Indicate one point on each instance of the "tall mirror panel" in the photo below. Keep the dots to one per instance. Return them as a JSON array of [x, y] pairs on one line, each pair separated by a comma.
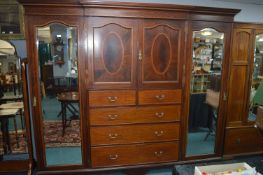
[[207, 58], [13, 136], [256, 93], [58, 75]]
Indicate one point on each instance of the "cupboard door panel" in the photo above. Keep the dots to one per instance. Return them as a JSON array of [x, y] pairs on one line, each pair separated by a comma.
[[241, 45], [241, 54], [163, 42], [237, 94], [113, 42]]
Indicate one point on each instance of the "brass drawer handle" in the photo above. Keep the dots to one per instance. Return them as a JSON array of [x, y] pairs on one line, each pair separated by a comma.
[[160, 97], [112, 99], [113, 157], [112, 116], [159, 114], [113, 136], [158, 133], [158, 153]]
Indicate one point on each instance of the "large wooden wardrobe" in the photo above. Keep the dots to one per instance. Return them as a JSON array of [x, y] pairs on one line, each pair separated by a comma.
[[133, 103]]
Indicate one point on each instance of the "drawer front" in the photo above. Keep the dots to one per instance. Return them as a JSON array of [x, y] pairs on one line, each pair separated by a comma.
[[127, 115], [243, 140], [134, 134], [112, 98], [134, 154], [159, 96]]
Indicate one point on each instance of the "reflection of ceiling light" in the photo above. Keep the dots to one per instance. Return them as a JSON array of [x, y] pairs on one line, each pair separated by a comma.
[[222, 36], [206, 33]]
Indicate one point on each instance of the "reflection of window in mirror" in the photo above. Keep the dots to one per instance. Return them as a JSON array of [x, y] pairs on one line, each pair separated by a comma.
[[207, 59], [256, 93]]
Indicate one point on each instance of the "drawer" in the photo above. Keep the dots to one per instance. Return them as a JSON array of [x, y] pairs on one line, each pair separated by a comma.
[[128, 134], [159, 96], [112, 98], [128, 115], [243, 140], [134, 154]]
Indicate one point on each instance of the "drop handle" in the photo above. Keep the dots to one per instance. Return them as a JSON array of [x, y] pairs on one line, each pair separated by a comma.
[[140, 55], [113, 136], [158, 133], [158, 153], [112, 98], [113, 157], [160, 97], [113, 116], [159, 114]]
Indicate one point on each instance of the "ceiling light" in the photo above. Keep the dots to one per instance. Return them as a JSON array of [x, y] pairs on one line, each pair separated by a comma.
[[206, 33]]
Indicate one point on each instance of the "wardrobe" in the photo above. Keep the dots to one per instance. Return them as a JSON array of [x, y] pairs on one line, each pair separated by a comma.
[[134, 64]]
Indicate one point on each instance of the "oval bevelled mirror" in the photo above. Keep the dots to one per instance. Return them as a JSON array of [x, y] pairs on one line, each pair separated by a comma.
[[207, 59], [58, 76], [256, 92], [13, 135]]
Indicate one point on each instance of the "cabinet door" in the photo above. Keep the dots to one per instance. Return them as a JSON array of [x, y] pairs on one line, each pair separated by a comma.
[[162, 54], [241, 53], [111, 52]]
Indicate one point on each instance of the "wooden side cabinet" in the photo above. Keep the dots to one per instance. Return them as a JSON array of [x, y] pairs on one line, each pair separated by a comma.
[[132, 74], [241, 137]]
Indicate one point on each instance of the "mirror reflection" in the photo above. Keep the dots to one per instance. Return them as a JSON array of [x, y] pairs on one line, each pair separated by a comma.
[[13, 141], [207, 62], [256, 95], [57, 50]]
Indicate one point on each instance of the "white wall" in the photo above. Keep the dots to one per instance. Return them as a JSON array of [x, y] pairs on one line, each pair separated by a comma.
[[249, 13]]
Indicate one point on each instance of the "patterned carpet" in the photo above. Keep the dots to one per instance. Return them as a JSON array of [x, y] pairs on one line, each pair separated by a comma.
[[22, 148], [53, 134]]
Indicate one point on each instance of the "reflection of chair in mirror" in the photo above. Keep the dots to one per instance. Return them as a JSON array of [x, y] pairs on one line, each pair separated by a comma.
[[212, 100], [5, 115], [67, 100]]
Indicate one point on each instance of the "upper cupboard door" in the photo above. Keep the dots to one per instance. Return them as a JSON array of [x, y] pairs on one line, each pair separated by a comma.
[[111, 52], [161, 54]]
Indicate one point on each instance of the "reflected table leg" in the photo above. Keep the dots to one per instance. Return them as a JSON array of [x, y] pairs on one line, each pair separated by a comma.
[[6, 139]]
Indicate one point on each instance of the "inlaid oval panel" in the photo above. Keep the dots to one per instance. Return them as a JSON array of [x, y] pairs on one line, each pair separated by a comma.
[[161, 53], [112, 53]]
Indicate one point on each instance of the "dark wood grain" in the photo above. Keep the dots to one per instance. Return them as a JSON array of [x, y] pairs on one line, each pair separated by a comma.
[[159, 96], [112, 98], [243, 140], [241, 53], [131, 115], [162, 54], [134, 134], [134, 154], [112, 54], [110, 38]]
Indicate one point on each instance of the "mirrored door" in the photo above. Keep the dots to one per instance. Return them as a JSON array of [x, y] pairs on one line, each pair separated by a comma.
[[256, 90], [58, 75], [13, 134], [205, 86]]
